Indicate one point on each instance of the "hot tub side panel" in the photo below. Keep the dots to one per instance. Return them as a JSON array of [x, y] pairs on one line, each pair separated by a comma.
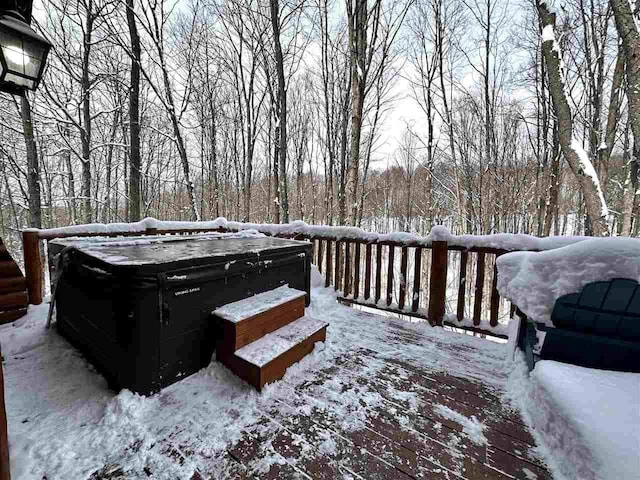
[[113, 320]]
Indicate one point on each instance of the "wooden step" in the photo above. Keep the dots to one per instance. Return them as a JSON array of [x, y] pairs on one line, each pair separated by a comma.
[[267, 359], [7, 316], [9, 301], [248, 320], [13, 284], [9, 268]]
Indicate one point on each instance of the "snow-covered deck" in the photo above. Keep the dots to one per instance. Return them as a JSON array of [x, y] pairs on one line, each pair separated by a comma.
[[382, 398]]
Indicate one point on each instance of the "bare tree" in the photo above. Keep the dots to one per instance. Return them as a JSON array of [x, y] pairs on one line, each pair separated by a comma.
[[577, 158]]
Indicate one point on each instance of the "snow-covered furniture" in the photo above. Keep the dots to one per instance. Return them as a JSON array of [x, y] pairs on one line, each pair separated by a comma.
[[598, 327]]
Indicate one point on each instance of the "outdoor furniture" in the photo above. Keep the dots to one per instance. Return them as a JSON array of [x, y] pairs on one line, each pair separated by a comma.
[[598, 327]]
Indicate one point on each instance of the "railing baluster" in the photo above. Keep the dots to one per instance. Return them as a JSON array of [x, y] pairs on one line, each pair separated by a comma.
[[347, 268], [336, 277], [438, 282], [356, 273], [417, 276], [390, 275], [327, 276], [477, 307], [314, 250], [378, 272], [320, 254], [462, 286], [403, 277], [495, 296], [367, 272]]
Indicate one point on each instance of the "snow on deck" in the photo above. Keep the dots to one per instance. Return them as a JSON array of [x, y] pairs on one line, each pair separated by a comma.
[[381, 398], [589, 417], [272, 345], [242, 309]]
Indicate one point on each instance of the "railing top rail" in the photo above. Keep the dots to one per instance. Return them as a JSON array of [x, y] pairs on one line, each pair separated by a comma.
[[492, 243]]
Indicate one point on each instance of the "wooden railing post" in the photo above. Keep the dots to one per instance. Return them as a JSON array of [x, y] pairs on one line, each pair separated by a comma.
[[438, 282], [32, 265], [5, 473]]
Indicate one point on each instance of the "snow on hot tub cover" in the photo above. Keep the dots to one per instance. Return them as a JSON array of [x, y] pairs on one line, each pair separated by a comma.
[[534, 280]]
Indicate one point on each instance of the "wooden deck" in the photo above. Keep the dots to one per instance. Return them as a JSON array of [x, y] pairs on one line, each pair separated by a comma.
[[381, 399], [316, 446], [302, 432]]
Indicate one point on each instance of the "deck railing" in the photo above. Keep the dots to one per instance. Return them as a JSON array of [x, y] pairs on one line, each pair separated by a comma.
[[417, 280], [429, 278]]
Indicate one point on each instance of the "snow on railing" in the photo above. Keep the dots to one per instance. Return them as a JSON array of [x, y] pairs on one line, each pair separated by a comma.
[[402, 272], [502, 241]]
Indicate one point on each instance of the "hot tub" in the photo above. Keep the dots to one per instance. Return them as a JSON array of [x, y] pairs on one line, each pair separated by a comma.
[[140, 310]]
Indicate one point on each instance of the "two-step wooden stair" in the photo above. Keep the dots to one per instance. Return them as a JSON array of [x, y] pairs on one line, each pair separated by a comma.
[[13, 288], [265, 334]]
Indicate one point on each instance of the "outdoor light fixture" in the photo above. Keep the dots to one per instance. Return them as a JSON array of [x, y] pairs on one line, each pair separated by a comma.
[[23, 54]]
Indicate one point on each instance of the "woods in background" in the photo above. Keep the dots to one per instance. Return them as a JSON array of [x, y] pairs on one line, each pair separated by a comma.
[[487, 116]]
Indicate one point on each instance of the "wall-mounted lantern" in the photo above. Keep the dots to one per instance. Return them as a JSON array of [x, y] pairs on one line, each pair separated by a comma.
[[23, 54]]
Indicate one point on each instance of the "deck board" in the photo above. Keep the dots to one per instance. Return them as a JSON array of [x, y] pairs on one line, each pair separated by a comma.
[[433, 447], [368, 404], [394, 439]]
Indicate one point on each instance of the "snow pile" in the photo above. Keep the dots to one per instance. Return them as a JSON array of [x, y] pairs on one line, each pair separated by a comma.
[[534, 280], [471, 426], [587, 422], [272, 345], [503, 241], [249, 307], [97, 241]]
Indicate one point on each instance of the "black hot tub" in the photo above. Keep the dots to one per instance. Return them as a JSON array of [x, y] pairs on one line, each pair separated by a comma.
[[140, 310]]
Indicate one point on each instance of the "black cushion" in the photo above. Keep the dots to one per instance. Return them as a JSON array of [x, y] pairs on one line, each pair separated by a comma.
[[609, 309], [591, 350]]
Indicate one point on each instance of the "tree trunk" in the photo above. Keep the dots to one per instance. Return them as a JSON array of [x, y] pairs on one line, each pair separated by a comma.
[[33, 166], [629, 190], [134, 117], [357, 12], [282, 112], [85, 132], [577, 158], [627, 27]]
